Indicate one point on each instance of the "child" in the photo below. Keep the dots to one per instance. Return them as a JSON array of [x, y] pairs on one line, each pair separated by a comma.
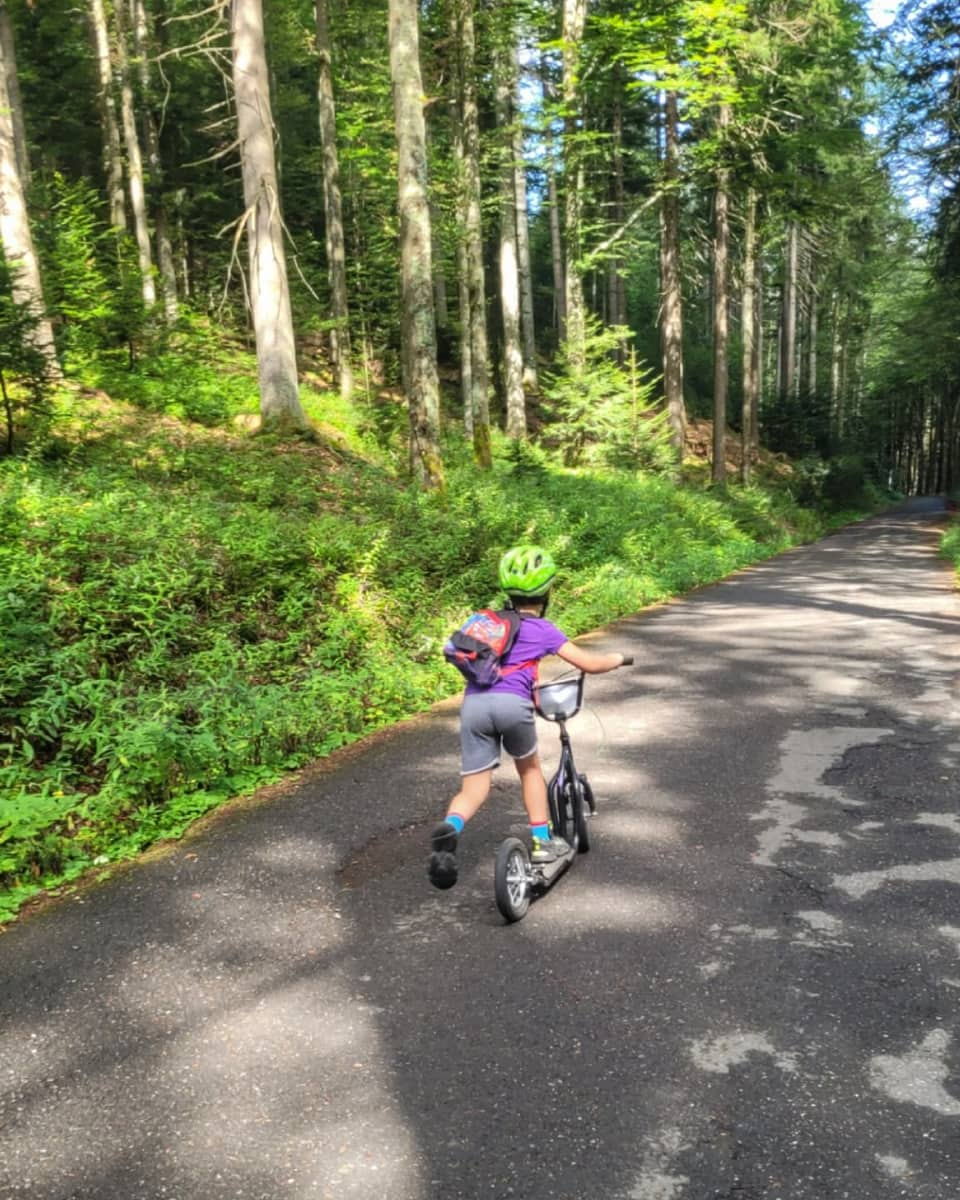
[[503, 716]]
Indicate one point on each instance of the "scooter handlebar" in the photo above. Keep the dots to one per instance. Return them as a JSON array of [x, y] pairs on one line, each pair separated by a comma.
[[627, 660]]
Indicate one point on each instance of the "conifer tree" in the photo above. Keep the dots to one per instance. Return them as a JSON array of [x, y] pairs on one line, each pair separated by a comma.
[[269, 290]]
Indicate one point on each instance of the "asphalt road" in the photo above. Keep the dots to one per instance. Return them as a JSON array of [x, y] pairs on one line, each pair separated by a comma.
[[748, 989]]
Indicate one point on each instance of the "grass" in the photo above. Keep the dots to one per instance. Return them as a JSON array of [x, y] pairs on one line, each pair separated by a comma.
[[187, 612], [951, 545]]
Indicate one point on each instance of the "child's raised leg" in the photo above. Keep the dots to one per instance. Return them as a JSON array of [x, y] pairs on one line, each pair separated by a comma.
[[474, 789]]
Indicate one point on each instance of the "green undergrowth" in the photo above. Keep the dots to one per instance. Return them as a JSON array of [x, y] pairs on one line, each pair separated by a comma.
[[951, 544], [187, 613]]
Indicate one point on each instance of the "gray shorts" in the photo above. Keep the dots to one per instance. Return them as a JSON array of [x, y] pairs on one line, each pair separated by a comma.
[[489, 720]]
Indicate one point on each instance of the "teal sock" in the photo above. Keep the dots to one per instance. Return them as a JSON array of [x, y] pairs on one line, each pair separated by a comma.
[[541, 832], [456, 821]]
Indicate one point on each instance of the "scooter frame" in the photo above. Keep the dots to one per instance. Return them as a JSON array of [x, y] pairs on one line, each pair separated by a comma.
[[517, 880]]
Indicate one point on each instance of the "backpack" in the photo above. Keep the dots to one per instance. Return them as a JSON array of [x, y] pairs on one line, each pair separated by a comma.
[[478, 647]]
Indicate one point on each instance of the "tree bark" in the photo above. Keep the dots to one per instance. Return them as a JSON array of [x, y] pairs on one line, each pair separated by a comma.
[[269, 288], [812, 333], [131, 138], [617, 285], [749, 334], [9, 54], [165, 258], [333, 207], [788, 315], [476, 363], [756, 401], [721, 338], [418, 333], [671, 305], [112, 155], [516, 422], [15, 233], [553, 204], [836, 406], [574, 21], [527, 325], [463, 287]]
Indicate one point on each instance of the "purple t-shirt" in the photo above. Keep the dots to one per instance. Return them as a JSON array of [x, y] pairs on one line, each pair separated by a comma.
[[536, 638]]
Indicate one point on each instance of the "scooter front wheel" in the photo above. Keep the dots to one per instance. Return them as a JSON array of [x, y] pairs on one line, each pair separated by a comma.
[[511, 880]]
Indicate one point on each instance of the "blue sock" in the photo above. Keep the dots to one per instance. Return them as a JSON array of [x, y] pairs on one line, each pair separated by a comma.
[[456, 821], [541, 832]]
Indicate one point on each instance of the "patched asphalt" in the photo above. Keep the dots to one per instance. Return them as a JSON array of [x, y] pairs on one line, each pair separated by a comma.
[[748, 990]]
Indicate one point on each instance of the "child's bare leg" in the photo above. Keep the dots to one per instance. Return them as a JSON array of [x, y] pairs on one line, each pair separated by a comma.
[[474, 789], [534, 788]]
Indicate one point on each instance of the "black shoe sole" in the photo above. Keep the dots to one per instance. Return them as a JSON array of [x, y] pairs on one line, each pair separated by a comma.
[[442, 868]]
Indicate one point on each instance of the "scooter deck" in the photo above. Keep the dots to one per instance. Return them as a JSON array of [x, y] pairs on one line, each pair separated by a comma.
[[546, 874]]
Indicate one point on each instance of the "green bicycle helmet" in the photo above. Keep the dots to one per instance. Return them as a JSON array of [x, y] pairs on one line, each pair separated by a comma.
[[527, 572]]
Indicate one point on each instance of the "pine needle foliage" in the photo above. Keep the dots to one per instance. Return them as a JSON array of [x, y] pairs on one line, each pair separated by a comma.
[[602, 411], [24, 370]]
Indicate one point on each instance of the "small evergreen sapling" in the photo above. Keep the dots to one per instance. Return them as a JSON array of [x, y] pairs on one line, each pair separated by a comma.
[[602, 411], [25, 371]]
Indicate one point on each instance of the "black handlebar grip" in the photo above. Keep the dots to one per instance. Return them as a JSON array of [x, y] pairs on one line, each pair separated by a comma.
[[627, 660]]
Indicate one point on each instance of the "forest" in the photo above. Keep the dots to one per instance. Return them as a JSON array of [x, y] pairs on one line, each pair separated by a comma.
[[307, 310]]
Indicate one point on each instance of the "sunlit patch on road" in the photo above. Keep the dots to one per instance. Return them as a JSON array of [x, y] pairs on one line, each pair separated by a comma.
[[655, 1182], [860, 883], [717, 1055], [805, 757], [917, 1077], [823, 930], [896, 1168]]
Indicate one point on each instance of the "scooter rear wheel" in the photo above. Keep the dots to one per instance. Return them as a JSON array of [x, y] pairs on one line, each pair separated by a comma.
[[511, 880]]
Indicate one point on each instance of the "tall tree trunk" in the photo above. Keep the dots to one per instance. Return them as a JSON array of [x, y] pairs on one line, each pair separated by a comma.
[[813, 330], [333, 207], [269, 288], [757, 398], [553, 204], [466, 360], [165, 260], [788, 316], [836, 409], [527, 326], [15, 233], [419, 336], [131, 138], [440, 306], [476, 359], [721, 338], [112, 155], [617, 286], [574, 21], [460, 209], [749, 333], [516, 423], [9, 54], [671, 304]]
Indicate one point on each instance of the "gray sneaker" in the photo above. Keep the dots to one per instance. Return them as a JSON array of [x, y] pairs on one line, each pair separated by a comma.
[[549, 851]]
